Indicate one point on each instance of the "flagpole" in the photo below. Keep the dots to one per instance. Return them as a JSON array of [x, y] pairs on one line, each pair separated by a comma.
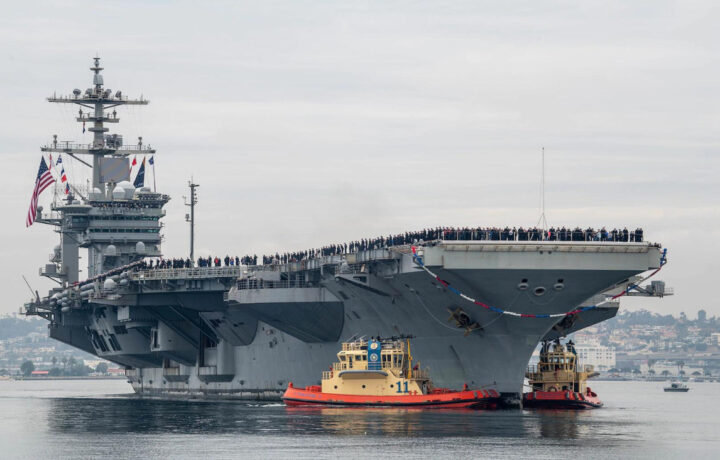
[[154, 183]]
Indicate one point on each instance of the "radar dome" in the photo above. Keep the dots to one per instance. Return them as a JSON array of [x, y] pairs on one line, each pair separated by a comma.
[[96, 194], [109, 285], [110, 251], [118, 193], [140, 247], [128, 187]]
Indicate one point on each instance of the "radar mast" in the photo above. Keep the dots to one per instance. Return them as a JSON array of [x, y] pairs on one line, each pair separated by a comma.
[[98, 100]]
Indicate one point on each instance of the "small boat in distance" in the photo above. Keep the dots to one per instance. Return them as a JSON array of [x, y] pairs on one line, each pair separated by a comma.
[[556, 381], [380, 372], [677, 387]]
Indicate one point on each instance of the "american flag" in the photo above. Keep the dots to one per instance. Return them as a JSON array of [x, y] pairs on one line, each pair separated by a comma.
[[44, 180]]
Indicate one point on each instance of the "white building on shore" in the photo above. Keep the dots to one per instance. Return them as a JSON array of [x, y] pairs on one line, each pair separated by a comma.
[[602, 358]]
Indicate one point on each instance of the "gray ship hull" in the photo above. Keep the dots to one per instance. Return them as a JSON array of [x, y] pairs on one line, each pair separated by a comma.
[[298, 330]]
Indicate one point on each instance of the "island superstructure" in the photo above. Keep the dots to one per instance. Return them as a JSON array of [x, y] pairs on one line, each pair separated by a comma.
[[246, 331]]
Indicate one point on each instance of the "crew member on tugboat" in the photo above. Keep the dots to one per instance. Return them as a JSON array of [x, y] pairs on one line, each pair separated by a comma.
[[380, 372], [556, 381]]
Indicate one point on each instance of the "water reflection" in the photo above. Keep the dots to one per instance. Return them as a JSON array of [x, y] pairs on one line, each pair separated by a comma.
[[133, 415], [558, 424], [404, 421]]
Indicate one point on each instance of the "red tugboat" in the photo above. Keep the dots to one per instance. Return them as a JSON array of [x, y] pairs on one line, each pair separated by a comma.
[[381, 373], [556, 381]]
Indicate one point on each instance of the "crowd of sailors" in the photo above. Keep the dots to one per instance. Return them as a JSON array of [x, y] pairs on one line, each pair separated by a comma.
[[431, 234], [536, 234]]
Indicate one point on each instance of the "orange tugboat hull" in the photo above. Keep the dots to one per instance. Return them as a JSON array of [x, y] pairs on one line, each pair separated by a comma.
[[561, 400], [441, 399]]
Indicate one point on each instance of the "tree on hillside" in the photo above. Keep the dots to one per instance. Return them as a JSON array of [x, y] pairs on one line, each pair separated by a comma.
[[680, 364], [54, 360], [101, 368], [651, 372], [665, 373], [27, 367]]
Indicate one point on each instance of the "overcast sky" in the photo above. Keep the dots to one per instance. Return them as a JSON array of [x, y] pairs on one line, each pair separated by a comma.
[[314, 122]]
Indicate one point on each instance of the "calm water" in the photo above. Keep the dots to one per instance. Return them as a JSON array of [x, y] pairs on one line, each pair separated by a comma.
[[86, 419]]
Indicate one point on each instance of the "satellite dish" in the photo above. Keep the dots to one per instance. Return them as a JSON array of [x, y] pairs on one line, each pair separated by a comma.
[[77, 92], [110, 251], [118, 95], [140, 247]]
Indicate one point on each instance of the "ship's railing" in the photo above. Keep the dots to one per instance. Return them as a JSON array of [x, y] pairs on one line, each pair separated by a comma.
[[345, 365], [253, 283], [326, 375], [419, 374], [362, 345], [534, 369], [363, 256], [186, 273], [76, 146], [102, 295]]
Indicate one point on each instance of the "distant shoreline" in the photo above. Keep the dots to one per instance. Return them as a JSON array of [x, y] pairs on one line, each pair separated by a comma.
[[74, 377]]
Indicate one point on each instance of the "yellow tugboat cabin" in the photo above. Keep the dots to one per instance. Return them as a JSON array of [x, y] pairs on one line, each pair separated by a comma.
[[376, 367]]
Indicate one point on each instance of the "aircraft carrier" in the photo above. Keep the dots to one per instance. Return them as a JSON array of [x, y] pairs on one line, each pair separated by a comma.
[[477, 308]]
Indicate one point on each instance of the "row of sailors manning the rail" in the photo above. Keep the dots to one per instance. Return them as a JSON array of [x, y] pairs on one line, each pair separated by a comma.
[[448, 233]]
